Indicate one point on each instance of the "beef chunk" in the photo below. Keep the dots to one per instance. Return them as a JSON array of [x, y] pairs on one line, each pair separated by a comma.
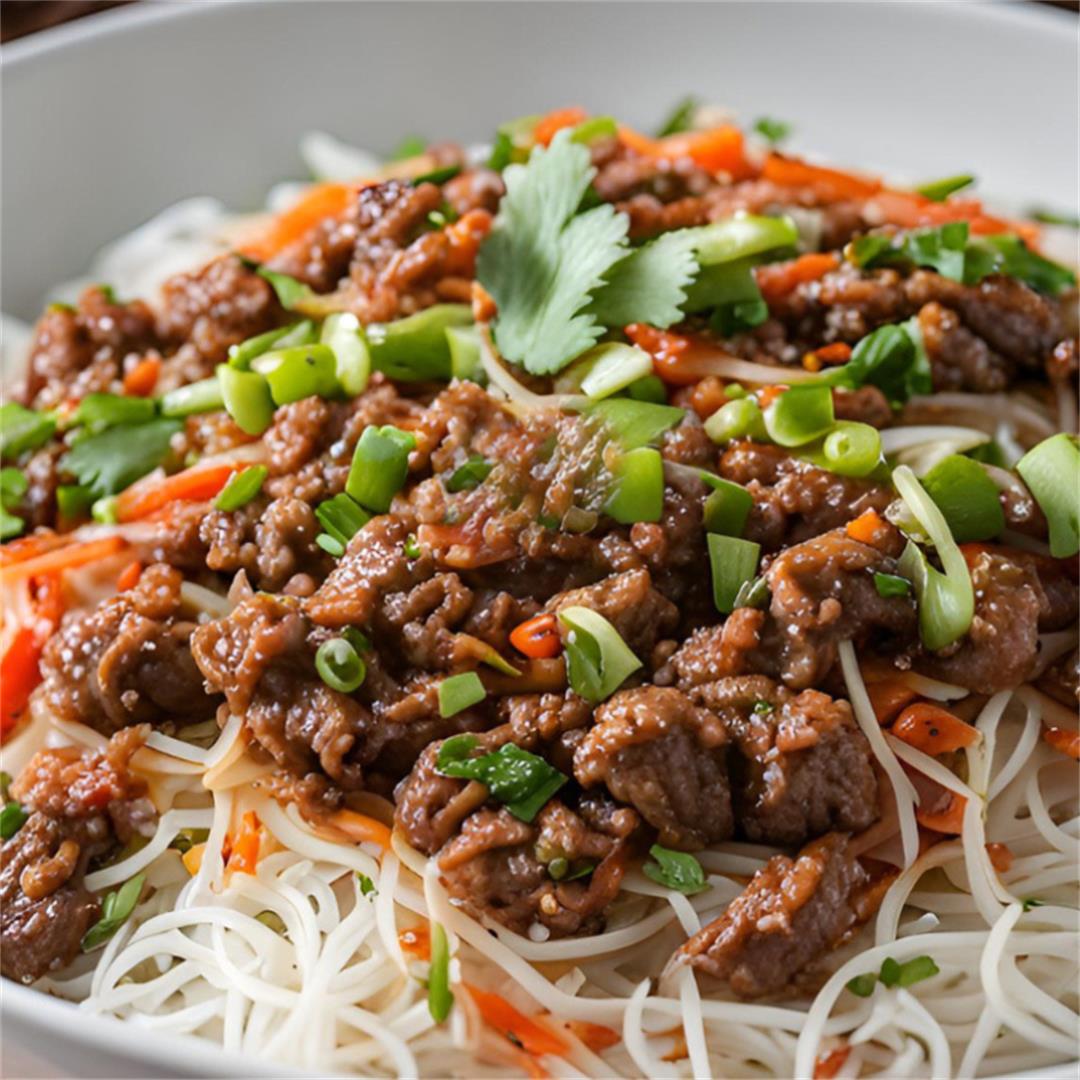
[[654, 749], [793, 500], [713, 652], [127, 661], [790, 915], [419, 624], [1062, 679], [800, 765]]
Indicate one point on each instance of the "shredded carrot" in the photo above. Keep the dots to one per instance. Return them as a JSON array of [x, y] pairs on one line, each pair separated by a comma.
[[196, 484], [465, 237], [828, 1065], [948, 820], [595, 1036], [129, 576], [910, 210], [679, 1050], [718, 149], [933, 730], [245, 845], [1068, 742], [322, 201], [416, 941], [360, 827], [776, 280], [1001, 858], [30, 547], [831, 184], [866, 527], [538, 637], [839, 352], [499, 1014], [888, 697], [192, 858], [142, 378], [65, 558], [20, 668], [547, 127]]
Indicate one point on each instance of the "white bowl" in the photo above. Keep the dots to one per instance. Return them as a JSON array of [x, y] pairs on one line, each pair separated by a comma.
[[112, 118]]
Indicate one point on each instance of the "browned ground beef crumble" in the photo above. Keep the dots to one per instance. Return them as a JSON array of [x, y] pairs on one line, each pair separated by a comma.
[[725, 731]]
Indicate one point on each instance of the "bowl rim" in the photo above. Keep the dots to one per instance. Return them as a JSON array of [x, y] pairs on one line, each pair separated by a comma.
[[46, 1014]]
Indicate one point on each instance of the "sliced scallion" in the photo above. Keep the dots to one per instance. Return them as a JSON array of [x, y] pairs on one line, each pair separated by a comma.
[[734, 562], [727, 506], [940, 190], [440, 997], [242, 488], [342, 518], [343, 334], [299, 372], [852, 448], [635, 423], [470, 475], [611, 367], [464, 345], [197, 397], [598, 660], [1051, 471], [460, 692], [339, 666], [735, 420], [247, 399], [416, 347], [241, 355], [23, 429], [967, 498], [799, 415], [638, 491], [379, 467]]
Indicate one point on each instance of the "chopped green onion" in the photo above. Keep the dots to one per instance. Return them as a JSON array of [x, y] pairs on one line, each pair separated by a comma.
[[365, 884], [342, 518], [104, 510], [464, 345], [734, 562], [852, 448], [742, 235], [1051, 471], [459, 692], [638, 491], [11, 525], [290, 292], [23, 429], [940, 190], [470, 475], [412, 547], [197, 397], [754, 594], [799, 415], [863, 985], [339, 666], [736, 419], [13, 486], [598, 660], [242, 488], [611, 367], [649, 388], [247, 398], [300, 372], [344, 335], [380, 465], [558, 868], [680, 119], [596, 127], [437, 176], [727, 506], [1055, 217], [440, 998], [907, 974], [1033, 902], [100, 411], [635, 423], [522, 781], [967, 498], [502, 152], [416, 347], [115, 911], [772, 130], [678, 870], [946, 600], [12, 819], [889, 585], [301, 333]]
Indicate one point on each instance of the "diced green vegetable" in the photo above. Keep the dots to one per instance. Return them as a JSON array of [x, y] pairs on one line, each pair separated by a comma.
[[365, 884], [412, 547], [464, 345], [116, 908], [799, 415], [440, 998], [888, 585], [12, 818], [242, 487], [343, 333], [339, 666], [727, 506], [104, 510], [611, 367], [651, 388], [852, 448], [197, 397], [300, 372], [342, 518], [598, 660], [863, 985], [470, 475], [115, 459], [678, 870], [940, 190], [967, 498], [734, 562], [635, 423], [1051, 471], [753, 594], [735, 420], [415, 348], [22, 429], [290, 292], [379, 467], [301, 333], [743, 235], [460, 692], [638, 490], [907, 974], [247, 398], [596, 127]]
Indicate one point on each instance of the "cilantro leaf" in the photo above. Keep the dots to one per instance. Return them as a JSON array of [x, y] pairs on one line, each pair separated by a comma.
[[677, 870], [115, 459], [23, 429], [650, 284], [772, 130], [541, 263]]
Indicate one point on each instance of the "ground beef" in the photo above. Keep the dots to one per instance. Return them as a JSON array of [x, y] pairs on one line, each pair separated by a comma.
[[38, 506], [127, 661], [418, 625], [800, 766], [1062, 679], [713, 652], [654, 749], [793, 500], [789, 916], [81, 806], [219, 305], [958, 359], [81, 350], [823, 592]]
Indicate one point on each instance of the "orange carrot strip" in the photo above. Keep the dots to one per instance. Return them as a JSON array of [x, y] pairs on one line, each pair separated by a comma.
[[865, 527], [360, 827], [65, 558], [932, 729], [196, 484], [888, 697], [776, 280], [547, 127], [142, 378], [830, 184], [245, 846], [321, 202], [503, 1017], [1001, 858], [129, 576], [20, 668], [538, 637], [910, 211], [595, 1036], [828, 1065], [718, 149], [1068, 742], [30, 547], [949, 820]]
